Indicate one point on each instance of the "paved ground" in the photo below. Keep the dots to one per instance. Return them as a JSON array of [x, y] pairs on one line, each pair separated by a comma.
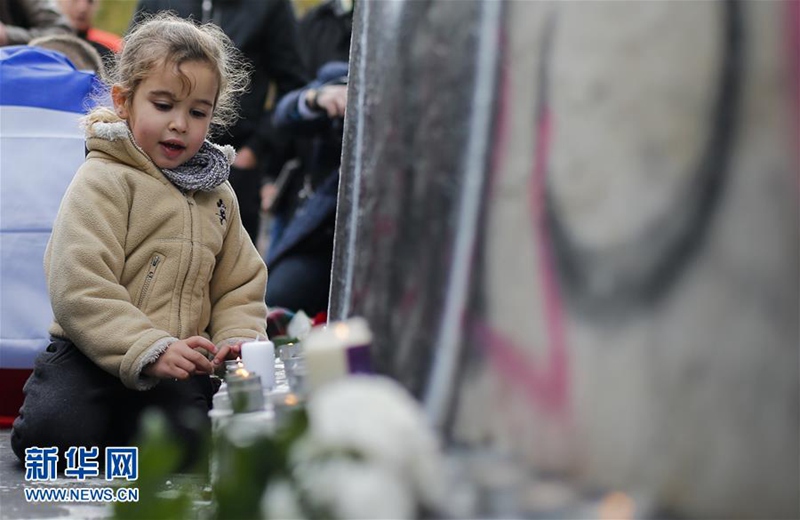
[[13, 505]]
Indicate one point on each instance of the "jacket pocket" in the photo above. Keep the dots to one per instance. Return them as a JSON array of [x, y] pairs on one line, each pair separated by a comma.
[[149, 281], [57, 352]]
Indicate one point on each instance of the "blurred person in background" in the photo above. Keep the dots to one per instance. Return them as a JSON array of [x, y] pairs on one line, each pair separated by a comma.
[[23, 20], [325, 33], [304, 202], [304, 210], [79, 52], [80, 14], [265, 31]]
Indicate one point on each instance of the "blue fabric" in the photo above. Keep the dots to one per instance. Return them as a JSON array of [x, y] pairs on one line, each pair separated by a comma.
[[296, 281], [36, 77], [286, 114], [299, 257], [332, 71], [307, 219], [321, 206], [42, 97]]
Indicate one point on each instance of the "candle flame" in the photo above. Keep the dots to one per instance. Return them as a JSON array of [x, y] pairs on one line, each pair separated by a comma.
[[341, 330], [291, 400], [617, 506]]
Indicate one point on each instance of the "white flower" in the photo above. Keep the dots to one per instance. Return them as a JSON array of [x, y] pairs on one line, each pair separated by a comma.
[[352, 489], [299, 326], [280, 501], [377, 418]]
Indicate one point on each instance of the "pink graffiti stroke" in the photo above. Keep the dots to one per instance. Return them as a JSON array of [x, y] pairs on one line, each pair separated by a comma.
[[544, 382]]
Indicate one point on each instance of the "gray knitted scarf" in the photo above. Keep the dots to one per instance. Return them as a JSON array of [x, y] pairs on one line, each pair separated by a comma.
[[205, 171]]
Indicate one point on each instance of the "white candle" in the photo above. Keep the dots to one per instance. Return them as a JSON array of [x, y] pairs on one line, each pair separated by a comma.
[[324, 360], [336, 351], [259, 357]]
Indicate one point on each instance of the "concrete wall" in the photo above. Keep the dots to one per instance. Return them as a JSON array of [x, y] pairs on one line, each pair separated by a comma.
[[574, 228]]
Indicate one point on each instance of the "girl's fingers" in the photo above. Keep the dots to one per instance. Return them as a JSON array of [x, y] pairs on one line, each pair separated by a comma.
[[200, 362], [221, 355], [183, 365], [201, 342], [179, 373]]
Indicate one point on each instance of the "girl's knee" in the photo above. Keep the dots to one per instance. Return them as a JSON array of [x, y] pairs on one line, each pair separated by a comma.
[[43, 429]]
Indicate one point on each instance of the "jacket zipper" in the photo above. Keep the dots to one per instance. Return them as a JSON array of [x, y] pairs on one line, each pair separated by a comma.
[[190, 202], [151, 273]]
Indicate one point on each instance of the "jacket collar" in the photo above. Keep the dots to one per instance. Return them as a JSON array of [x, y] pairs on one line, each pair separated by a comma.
[[115, 139]]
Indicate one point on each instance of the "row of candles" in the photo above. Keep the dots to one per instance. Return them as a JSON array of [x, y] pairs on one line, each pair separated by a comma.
[[326, 354], [253, 401]]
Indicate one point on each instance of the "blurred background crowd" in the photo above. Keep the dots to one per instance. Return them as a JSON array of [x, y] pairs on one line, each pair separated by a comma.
[[286, 171]]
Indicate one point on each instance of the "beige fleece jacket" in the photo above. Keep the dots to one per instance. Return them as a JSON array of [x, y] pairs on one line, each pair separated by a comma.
[[133, 264]]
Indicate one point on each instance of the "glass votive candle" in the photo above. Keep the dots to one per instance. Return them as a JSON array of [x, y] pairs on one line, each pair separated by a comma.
[[289, 350], [245, 392], [232, 365], [283, 403], [296, 376]]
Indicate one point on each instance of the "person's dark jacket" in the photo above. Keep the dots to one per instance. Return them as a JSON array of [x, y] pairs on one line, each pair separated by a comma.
[[265, 31], [325, 31], [319, 168]]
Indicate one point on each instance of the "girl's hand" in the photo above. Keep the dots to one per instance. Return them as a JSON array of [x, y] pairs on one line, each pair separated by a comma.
[[181, 360], [228, 352]]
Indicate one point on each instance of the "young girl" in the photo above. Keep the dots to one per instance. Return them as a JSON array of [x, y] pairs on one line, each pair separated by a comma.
[[152, 278]]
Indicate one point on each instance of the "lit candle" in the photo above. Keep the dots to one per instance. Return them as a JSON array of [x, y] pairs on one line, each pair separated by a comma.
[[284, 403], [259, 357], [337, 350], [245, 392], [231, 365]]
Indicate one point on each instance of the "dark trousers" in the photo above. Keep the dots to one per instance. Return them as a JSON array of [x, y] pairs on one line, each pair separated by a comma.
[[300, 282], [70, 401]]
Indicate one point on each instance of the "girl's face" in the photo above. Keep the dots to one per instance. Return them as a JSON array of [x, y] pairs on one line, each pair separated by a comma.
[[168, 120]]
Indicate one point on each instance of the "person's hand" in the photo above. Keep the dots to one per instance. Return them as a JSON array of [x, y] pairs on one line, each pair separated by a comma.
[[245, 159], [181, 360], [333, 100], [3, 34], [268, 192], [227, 352]]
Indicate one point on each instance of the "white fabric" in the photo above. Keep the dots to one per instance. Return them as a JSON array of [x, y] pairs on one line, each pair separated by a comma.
[[40, 150]]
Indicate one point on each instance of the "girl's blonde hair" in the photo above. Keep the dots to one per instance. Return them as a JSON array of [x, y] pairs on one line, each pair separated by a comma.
[[164, 39]]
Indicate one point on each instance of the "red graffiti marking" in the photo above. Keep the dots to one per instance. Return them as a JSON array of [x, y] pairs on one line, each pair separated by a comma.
[[544, 382]]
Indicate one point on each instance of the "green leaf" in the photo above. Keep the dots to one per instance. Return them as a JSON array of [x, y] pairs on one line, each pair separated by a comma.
[[160, 456]]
